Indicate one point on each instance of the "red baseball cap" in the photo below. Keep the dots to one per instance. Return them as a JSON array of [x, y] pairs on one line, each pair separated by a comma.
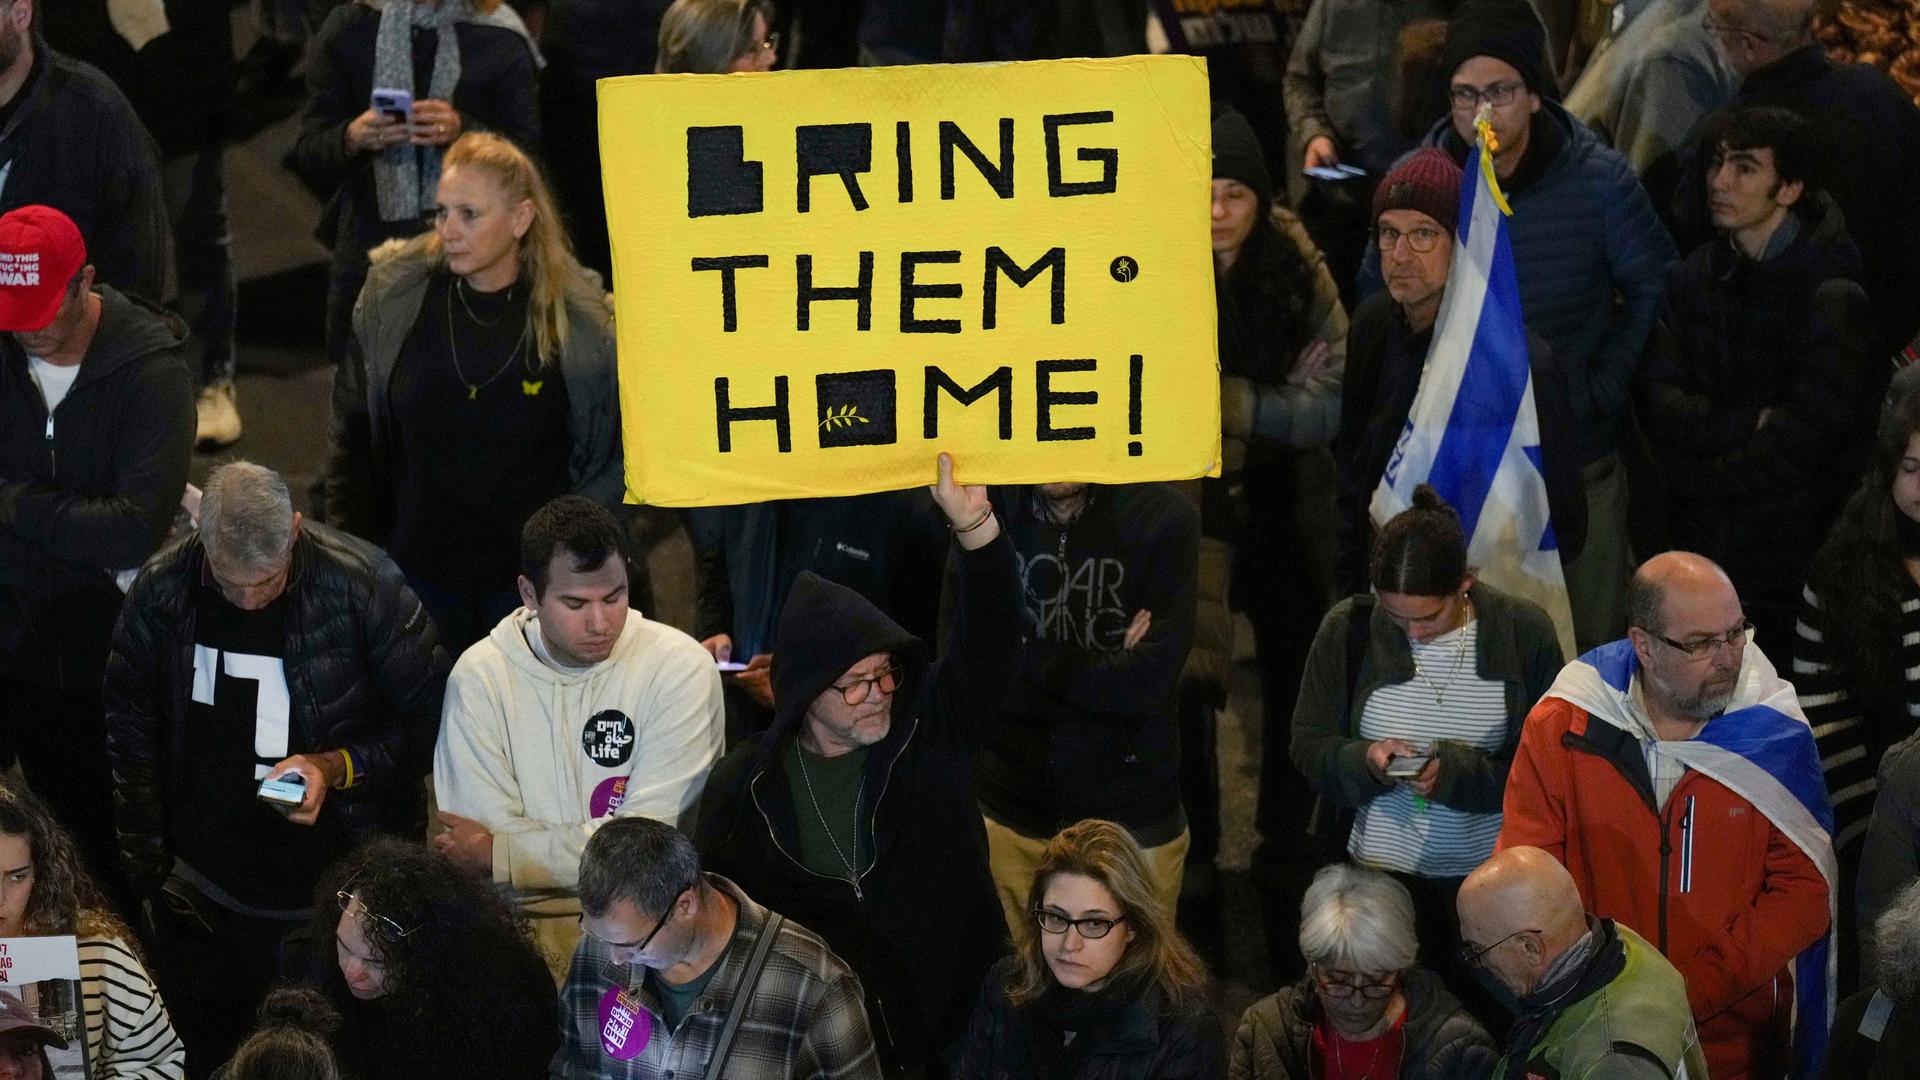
[[40, 251]]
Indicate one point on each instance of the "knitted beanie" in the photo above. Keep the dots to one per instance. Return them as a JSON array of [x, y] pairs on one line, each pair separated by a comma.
[[1237, 154], [1505, 30], [1427, 181]]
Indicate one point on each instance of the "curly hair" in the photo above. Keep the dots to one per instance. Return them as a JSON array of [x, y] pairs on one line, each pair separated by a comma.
[[1860, 574], [462, 976], [65, 898], [1264, 301], [1158, 956], [1896, 946]]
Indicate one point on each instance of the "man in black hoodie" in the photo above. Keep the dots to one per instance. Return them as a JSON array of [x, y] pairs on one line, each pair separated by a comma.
[[855, 815], [96, 429], [1754, 395]]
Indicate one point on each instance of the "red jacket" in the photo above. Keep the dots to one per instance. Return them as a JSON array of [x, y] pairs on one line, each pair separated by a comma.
[[1723, 893]]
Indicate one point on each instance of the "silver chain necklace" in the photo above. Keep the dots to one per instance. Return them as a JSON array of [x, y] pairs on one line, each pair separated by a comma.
[[473, 388], [1459, 662], [853, 873]]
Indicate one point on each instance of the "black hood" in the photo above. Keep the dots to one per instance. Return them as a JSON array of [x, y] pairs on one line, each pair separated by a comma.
[[824, 630]]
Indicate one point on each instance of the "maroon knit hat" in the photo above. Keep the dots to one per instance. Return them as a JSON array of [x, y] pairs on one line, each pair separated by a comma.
[[1427, 181]]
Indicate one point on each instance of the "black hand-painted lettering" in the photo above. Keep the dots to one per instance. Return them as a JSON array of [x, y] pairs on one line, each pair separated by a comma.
[[719, 178], [911, 291], [1108, 157], [726, 415], [998, 262], [1046, 397], [1136, 367], [856, 408], [729, 312], [843, 150], [999, 178], [903, 156], [806, 292], [1001, 382]]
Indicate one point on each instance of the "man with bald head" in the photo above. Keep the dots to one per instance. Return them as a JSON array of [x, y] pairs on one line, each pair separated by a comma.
[[1595, 999], [1674, 776], [1865, 127]]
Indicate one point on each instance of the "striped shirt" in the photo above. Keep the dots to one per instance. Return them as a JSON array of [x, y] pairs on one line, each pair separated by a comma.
[[1446, 699], [1850, 748], [129, 1036]]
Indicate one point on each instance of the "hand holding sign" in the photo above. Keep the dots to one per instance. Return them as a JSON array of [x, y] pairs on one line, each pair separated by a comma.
[[969, 514]]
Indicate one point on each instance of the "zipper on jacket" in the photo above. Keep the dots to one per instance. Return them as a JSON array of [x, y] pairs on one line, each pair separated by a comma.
[[1686, 848], [873, 820], [53, 459], [1666, 853]]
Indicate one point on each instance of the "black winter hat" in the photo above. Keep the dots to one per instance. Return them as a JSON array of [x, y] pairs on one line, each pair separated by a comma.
[[1237, 154], [1506, 30]]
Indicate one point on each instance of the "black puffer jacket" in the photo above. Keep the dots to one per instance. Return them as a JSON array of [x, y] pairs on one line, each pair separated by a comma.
[[923, 925], [1443, 1039], [1141, 1040], [88, 491], [1790, 336], [365, 672]]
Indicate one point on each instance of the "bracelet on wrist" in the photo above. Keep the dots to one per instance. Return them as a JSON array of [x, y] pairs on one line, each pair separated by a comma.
[[981, 520]]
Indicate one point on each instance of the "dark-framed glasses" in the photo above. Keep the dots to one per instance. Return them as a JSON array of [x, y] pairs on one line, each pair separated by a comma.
[[1345, 984], [1499, 95], [1471, 954], [1701, 648], [1421, 239], [857, 691], [348, 898], [1092, 929], [641, 945]]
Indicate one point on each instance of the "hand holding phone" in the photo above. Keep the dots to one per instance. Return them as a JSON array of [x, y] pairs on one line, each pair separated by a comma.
[[1407, 766], [287, 790], [394, 105]]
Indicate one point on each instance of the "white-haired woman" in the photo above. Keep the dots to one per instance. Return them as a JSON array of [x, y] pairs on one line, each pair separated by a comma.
[[1365, 1009], [1876, 1032]]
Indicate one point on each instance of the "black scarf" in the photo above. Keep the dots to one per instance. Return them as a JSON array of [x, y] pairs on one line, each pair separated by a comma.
[[1090, 1017]]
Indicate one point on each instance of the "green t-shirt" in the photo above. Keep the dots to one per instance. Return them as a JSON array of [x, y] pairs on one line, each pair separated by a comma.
[[828, 795], [677, 1001]]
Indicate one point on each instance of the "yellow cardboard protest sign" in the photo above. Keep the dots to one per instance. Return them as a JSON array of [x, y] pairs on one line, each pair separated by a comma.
[[823, 277]]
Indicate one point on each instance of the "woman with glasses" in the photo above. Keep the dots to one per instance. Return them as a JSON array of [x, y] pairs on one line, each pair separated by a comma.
[[431, 972], [478, 387], [715, 37], [1365, 1009], [1100, 985], [45, 891], [1412, 707]]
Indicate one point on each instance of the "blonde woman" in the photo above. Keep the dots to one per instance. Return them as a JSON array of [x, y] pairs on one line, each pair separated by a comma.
[[479, 384], [1100, 984]]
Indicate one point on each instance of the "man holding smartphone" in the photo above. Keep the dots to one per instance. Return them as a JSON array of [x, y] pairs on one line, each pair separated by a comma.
[[263, 648]]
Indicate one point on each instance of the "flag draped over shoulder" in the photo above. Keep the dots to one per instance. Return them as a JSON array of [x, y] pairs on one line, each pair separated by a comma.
[[1762, 750], [1473, 432]]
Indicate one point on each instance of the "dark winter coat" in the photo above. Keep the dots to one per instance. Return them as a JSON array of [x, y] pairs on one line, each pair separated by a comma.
[[1591, 257], [1866, 131], [1444, 1041], [180, 83], [1789, 336], [1090, 729], [1385, 359], [365, 673], [1147, 1041], [495, 93], [88, 491], [922, 926], [75, 144]]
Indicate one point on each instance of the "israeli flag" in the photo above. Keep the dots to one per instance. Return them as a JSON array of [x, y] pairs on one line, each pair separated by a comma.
[[1762, 750], [1473, 432]]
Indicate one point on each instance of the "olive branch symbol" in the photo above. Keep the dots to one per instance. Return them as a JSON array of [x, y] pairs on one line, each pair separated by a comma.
[[844, 416]]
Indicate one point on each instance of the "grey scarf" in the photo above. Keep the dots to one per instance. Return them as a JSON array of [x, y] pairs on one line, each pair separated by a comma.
[[405, 176]]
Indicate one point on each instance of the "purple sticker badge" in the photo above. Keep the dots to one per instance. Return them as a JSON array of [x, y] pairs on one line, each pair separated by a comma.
[[607, 796], [625, 1025]]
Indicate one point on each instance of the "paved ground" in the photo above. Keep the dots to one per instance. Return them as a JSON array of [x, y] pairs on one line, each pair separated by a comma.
[[283, 386]]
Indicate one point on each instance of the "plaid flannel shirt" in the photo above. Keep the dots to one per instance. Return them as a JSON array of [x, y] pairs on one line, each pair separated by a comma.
[[804, 1021]]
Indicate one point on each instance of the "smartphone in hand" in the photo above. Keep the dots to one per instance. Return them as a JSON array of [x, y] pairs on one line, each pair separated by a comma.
[[1407, 766], [393, 104], [288, 790]]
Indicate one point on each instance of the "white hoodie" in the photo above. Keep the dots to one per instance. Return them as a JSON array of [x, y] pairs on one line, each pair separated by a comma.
[[543, 758]]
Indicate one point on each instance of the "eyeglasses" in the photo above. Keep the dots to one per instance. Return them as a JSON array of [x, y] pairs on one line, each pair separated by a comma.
[[1470, 956], [1421, 240], [1734, 35], [1092, 929], [1341, 984], [347, 900], [641, 945], [1735, 640], [771, 43], [1499, 95], [855, 692]]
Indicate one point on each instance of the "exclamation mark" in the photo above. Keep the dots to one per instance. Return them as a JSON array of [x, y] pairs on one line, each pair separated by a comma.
[[1133, 404]]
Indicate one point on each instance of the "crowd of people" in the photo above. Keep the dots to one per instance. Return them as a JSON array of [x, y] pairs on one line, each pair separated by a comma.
[[413, 783]]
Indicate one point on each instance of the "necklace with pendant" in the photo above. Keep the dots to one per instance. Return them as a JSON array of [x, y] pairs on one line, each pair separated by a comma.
[[1459, 662], [474, 388]]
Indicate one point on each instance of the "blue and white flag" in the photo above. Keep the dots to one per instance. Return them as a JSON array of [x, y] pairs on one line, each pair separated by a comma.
[[1762, 750], [1473, 432]]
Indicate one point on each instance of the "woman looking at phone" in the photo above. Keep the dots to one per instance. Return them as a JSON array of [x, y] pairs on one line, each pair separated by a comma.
[[442, 68], [45, 891], [1411, 708]]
